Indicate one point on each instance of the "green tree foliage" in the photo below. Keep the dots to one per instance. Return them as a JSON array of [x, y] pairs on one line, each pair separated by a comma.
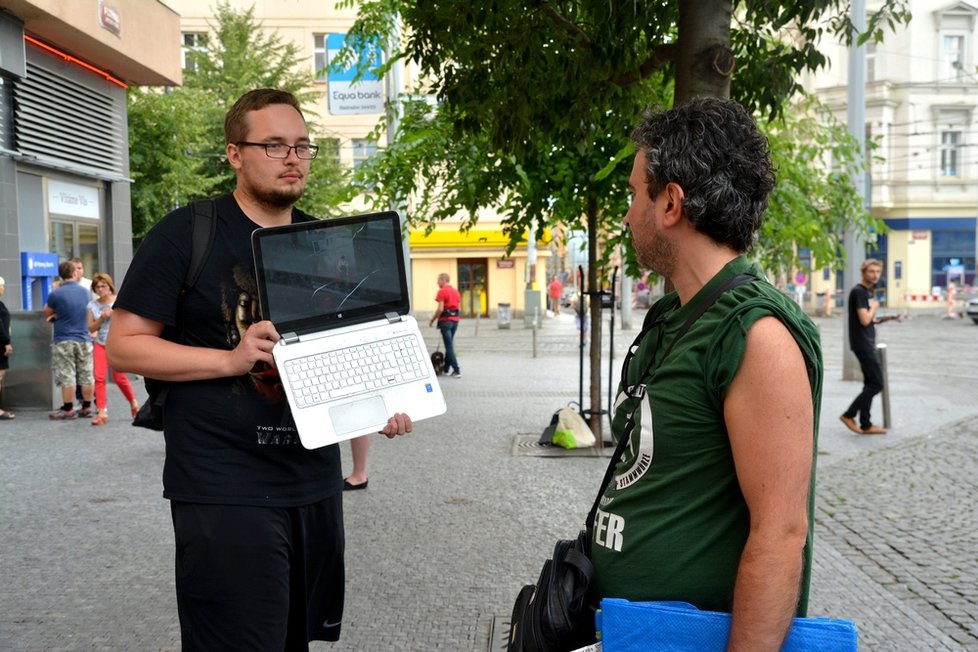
[[536, 99], [177, 150], [533, 100]]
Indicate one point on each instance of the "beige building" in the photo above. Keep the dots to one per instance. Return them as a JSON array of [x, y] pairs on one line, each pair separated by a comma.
[[474, 260], [64, 151]]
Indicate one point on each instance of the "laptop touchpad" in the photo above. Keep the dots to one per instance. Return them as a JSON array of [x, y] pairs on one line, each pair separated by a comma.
[[365, 413]]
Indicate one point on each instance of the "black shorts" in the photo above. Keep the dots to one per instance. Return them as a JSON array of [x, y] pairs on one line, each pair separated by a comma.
[[259, 578]]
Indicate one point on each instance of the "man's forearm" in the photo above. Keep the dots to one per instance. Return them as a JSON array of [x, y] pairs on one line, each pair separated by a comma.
[[765, 595]]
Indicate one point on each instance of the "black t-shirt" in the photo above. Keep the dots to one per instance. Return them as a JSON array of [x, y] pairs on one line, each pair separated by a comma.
[[228, 440], [862, 339]]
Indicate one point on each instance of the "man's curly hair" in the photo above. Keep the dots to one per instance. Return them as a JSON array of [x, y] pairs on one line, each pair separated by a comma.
[[713, 150]]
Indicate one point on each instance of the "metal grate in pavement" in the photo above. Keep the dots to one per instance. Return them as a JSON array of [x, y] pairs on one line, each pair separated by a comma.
[[529, 446], [499, 634]]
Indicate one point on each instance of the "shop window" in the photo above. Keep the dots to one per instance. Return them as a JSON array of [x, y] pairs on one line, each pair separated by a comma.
[[952, 247]]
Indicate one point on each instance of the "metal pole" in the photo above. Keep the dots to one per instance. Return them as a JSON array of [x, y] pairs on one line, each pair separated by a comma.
[[580, 334], [885, 394], [611, 348], [856, 120], [536, 325], [534, 337]]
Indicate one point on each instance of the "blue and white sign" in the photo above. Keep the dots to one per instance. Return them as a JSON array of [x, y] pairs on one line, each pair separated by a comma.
[[37, 264], [40, 267], [346, 97]]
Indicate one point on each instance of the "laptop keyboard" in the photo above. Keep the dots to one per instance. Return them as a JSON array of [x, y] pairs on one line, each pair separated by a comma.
[[326, 376]]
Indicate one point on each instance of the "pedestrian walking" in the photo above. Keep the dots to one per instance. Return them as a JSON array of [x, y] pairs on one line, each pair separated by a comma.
[[862, 307], [447, 315]]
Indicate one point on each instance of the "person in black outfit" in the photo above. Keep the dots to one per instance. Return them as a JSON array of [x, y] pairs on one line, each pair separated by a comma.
[[6, 348], [862, 309], [257, 518]]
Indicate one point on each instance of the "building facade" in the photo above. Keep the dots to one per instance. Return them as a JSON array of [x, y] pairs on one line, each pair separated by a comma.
[[64, 150], [921, 96]]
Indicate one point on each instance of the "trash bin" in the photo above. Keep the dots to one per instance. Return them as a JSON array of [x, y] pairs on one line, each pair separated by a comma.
[[503, 315]]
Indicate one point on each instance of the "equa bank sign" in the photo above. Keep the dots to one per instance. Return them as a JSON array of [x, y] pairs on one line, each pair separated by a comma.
[[364, 96]]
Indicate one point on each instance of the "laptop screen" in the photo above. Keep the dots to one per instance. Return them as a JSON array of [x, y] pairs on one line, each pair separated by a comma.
[[329, 273]]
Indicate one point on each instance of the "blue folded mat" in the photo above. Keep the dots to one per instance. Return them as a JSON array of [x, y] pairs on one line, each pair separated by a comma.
[[680, 627]]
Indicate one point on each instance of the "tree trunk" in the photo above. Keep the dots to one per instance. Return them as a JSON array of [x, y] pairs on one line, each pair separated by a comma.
[[595, 420], [704, 60]]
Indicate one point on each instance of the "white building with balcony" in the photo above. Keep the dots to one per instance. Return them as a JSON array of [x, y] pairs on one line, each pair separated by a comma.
[[921, 98]]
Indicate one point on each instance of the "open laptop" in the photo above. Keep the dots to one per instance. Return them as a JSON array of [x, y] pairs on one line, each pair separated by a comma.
[[350, 354]]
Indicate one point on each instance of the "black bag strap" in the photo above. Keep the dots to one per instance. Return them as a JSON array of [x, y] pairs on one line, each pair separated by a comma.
[[704, 305], [204, 225]]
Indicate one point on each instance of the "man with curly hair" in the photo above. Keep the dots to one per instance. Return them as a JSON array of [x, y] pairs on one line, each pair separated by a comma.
[[711, 503]]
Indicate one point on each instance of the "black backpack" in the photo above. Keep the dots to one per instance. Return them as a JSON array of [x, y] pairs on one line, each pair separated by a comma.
[[204, 224]]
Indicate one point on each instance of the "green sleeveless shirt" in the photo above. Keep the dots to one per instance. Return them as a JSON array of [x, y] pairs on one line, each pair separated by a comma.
[[673, 522]]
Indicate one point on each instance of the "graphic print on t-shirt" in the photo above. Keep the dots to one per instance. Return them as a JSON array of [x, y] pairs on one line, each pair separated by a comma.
[[237, 318]]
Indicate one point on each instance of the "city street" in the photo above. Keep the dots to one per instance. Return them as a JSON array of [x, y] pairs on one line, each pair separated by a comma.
[[461, 513]]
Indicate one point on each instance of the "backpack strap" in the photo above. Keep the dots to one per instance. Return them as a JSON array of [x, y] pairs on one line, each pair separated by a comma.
[[204, 220], [204, 225]]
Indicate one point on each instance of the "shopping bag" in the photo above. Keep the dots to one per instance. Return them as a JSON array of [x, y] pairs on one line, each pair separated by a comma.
[[680, 627]]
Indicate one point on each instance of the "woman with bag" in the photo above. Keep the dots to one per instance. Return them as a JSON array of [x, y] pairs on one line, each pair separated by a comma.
[[99, 315]]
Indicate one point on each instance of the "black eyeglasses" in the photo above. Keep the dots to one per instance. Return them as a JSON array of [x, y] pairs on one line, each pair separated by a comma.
[[281, 150]]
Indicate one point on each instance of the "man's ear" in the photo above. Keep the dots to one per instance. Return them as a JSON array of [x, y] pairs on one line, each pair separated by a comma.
[[674, 196], [233, 155]]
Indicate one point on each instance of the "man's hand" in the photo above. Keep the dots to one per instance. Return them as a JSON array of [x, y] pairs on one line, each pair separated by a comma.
[[255, 346], [399, 424]]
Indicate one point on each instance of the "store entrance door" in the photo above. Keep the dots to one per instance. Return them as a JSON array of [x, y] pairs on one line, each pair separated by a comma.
[[473, 285]]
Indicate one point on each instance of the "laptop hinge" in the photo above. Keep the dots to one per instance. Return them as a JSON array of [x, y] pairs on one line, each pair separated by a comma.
[[290, 337], [393, 317]]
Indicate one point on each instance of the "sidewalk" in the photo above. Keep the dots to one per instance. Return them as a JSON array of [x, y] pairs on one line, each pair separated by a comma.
[[454, 522]]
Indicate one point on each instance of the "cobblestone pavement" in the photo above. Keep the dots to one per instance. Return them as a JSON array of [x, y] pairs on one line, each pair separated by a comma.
[[454, 521]]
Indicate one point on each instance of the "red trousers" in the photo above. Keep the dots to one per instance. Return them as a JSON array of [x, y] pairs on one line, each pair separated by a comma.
[[101, 366]]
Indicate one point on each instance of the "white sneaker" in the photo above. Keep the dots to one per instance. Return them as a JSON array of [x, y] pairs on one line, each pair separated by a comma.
[[458, 375]]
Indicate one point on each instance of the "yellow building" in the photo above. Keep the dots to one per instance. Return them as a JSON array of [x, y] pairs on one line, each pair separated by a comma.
[[476, 262]]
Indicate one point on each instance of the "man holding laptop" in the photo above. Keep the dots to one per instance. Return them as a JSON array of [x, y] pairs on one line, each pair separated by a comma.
[[258, 518]]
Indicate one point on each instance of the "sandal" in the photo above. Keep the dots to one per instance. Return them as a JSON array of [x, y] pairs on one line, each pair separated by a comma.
[[8, 416], [100, 420]]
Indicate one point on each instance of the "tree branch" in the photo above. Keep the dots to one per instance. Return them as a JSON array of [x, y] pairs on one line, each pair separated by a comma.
[[660, 57], [567, 25]]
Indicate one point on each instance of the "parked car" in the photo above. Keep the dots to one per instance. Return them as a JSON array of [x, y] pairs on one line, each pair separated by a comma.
[[972, 310]]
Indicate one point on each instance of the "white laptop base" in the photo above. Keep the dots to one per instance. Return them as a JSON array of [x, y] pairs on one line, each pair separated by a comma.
[[327, 414]]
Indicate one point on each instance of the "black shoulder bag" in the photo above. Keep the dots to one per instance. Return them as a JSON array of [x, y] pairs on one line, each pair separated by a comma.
[[557, 613], [204, 224]]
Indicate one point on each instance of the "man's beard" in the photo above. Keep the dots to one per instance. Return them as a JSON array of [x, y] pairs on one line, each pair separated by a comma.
[[279, 197], [660, 256]]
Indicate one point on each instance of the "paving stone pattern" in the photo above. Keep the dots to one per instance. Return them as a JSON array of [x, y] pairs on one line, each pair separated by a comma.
[[454, 522]]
